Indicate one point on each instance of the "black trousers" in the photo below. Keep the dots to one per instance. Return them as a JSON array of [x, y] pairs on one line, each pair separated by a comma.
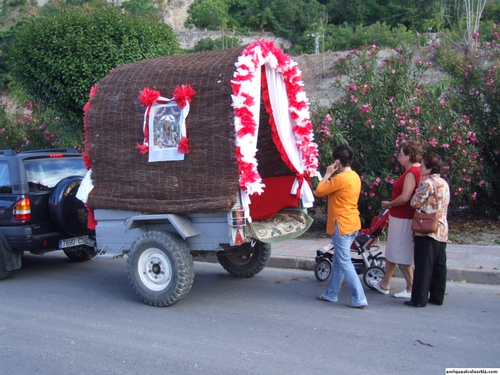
[[429, 277]]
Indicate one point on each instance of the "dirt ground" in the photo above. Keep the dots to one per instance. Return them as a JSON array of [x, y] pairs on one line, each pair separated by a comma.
[[463, 229]]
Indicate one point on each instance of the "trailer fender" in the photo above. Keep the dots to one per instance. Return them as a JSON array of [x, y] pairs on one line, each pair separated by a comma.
[[182, 224]]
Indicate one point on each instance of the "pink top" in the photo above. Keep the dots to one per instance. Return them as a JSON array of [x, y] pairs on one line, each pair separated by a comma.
[[405, 211]]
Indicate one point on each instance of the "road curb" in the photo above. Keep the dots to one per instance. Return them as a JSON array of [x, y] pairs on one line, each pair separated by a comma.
[[490, 277], [481, 276]]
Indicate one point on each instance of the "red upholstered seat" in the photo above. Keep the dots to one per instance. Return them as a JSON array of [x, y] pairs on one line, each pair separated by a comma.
[[275, 197]]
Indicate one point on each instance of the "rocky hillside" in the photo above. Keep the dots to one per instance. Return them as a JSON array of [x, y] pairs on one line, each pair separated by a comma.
[[319, 73]]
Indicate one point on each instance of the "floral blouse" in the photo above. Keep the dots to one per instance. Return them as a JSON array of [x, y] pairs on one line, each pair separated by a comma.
[[424, 200]]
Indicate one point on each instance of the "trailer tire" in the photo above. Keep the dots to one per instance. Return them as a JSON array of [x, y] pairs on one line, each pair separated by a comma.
[[160, 268], [245, 260]]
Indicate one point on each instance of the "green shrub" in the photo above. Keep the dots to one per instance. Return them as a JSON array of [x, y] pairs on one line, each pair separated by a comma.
[[57, 58], [33, 127], [475, 91], [209, 44], [345, 37], [383, 107]]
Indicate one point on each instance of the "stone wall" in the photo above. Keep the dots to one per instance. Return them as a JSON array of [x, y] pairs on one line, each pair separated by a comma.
[[188, 38]]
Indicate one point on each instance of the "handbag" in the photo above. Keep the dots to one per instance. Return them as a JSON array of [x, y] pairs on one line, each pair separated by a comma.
[[425, 223]]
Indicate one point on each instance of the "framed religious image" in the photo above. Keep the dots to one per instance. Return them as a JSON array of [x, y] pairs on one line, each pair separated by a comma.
[[166, 129]]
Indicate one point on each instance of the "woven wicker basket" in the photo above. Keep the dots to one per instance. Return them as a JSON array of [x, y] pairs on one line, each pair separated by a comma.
[[207, 179]]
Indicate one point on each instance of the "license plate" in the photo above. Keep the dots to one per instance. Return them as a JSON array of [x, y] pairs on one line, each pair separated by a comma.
[[70, 242]]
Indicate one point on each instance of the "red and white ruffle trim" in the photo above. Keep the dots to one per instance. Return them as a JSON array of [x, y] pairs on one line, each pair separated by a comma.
[[249, 63]]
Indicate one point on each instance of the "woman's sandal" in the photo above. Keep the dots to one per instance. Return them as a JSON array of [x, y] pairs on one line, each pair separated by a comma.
[[362, 307], [321, 298]]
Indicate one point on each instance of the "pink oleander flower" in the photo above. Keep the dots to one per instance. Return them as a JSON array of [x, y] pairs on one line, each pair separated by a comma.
[[393, 71], [475, 36], [445, 145], [416, 110], [365, 108], [351, 87]]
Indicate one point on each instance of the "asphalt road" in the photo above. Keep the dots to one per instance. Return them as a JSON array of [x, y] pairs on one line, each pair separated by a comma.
[[60, 317]]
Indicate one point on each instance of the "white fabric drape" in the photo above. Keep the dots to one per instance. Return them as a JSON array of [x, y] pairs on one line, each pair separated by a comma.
[[284, 126]]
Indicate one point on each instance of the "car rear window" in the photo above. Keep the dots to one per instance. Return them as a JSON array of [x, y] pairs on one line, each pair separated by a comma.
[[5, 183], [43, 174]]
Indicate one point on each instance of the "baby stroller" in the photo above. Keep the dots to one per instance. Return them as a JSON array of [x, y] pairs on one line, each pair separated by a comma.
[[369, 262]]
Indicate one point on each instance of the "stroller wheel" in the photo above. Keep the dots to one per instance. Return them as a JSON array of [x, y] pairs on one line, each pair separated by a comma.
[[323, 269], [378, 262], [373, 274]]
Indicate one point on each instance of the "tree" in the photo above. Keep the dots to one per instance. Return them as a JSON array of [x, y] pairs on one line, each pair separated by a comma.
[[209, 14], [56, 59]]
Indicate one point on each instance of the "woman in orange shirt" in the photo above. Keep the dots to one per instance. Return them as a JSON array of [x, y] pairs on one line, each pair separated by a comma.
[[343, 223]]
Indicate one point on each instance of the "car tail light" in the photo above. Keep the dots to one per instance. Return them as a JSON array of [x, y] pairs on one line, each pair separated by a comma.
[[22, 210], [238, 217]]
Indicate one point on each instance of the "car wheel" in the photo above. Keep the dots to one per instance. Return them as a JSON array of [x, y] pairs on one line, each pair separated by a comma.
[[245, 260], [160, 268], [68, 212]]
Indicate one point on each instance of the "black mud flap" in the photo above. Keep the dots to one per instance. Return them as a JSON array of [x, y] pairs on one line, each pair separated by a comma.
[[11, 260]]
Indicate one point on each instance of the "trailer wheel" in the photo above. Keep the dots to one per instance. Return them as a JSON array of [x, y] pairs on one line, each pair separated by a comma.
[[245, 260], [160, 268]]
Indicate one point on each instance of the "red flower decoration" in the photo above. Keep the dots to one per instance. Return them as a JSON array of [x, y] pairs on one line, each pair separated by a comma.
[[86, 159], [148, 97], [183, 146], [183, 95], [143, 149], [93, 90], [249, 178], [249, 100]]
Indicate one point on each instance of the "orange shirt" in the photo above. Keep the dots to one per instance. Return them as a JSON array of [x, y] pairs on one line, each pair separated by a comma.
[[343, 194]]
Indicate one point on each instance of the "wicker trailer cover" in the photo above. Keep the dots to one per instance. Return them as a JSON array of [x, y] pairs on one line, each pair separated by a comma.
[[207, 179]]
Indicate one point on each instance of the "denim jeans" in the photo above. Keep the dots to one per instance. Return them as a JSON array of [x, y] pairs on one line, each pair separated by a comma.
[[343, 267]]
